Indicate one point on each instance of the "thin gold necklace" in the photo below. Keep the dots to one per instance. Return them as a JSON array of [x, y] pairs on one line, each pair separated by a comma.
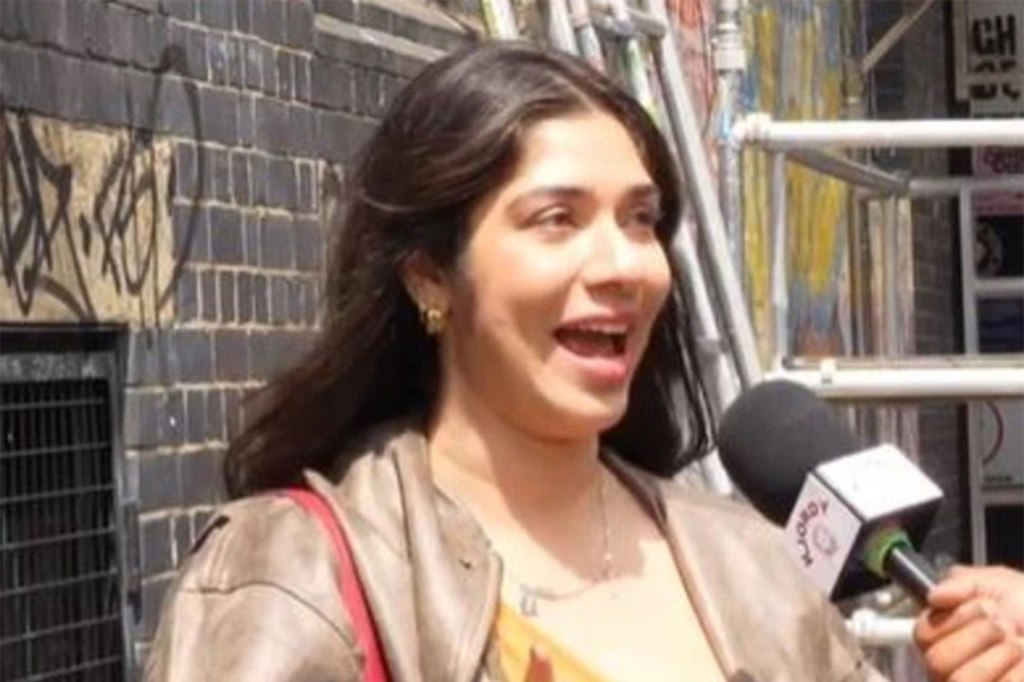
[[530, 594]]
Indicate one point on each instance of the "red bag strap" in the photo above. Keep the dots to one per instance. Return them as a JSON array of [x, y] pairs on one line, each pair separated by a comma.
[[349, 586]]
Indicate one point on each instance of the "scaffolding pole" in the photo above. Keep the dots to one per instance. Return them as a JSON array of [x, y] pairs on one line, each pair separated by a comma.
[[774, 135]]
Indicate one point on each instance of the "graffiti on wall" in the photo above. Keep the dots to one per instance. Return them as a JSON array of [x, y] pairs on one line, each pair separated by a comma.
[[85, 233], [85, 227]]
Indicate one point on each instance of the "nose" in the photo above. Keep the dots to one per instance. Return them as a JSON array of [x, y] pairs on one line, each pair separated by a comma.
[[615, 261]]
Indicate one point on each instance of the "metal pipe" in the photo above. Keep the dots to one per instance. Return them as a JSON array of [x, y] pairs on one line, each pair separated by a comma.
[[586, 35], [850, 171], [645, 22], [890, 266], [951, 186], [999, 287], [560, 30], [760, 129], [888, 384], [730, 63], [779, 264], [733, 305], [873, 629]]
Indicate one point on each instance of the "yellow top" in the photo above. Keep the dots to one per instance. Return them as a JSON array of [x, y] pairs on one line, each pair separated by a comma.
[[516, 635]]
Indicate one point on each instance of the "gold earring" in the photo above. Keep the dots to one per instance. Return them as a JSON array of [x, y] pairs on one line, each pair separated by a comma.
[[433, 320]]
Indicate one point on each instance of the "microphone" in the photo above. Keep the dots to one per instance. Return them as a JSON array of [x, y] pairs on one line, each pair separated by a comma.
[[852, 516]]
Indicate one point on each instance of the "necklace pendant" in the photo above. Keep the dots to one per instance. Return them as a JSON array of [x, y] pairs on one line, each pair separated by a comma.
[[527, 602]]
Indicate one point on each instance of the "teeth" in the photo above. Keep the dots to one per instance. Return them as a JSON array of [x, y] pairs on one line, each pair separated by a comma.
[[603, 328]]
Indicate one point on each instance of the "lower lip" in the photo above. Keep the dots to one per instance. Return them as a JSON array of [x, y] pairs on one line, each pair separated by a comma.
[[605, 370]]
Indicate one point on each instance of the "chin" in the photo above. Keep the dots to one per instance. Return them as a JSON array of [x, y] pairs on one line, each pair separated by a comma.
[[588, 415]]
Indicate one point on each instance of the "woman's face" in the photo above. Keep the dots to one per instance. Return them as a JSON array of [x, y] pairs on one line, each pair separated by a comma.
[[552, 302]]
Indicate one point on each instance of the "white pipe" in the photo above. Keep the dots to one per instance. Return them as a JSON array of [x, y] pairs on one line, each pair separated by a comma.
[[886, 383], [873, 629], [779, 262], [1000, 287], [951, 186], [850, 171], [761, 129]]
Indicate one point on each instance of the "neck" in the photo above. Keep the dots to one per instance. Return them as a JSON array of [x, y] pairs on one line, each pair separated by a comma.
[[500, 468]]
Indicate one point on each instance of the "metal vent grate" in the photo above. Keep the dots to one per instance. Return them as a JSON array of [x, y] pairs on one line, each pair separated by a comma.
[[60, 604]]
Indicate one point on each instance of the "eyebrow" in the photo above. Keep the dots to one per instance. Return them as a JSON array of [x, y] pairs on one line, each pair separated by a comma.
[[570, 192]]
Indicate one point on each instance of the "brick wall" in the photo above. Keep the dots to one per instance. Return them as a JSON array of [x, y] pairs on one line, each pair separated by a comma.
[[913, 82], [235, 118]]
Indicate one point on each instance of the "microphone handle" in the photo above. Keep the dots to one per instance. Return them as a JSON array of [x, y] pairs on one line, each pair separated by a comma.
[[911, 571]]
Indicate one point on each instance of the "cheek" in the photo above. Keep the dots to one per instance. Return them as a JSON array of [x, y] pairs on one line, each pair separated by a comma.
[[658, 279]]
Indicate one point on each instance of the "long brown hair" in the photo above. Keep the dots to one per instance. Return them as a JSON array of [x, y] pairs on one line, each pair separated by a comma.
[[450, 138]]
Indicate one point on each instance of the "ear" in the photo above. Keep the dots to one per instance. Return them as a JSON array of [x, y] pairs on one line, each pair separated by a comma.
[[425, 282]]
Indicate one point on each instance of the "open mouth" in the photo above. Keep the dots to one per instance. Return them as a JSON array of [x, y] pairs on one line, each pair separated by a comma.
[[591, 342]]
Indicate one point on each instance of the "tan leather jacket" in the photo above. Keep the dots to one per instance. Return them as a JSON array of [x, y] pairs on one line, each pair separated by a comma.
[[257, 598]]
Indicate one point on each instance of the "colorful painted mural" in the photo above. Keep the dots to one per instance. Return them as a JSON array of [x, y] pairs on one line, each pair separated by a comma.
[[794, 72]]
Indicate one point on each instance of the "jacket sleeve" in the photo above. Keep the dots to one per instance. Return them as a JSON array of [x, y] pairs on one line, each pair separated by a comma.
[[253, 632], [257, 599]]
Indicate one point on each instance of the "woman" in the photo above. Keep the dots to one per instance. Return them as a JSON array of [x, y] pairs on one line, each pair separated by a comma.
[[505, 382]]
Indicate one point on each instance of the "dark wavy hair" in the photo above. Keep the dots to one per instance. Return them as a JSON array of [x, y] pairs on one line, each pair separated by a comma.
[[450, 138]]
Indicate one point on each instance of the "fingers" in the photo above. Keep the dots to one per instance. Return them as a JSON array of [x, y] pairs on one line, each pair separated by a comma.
[[981, 649], [932, 626], [540, 669]]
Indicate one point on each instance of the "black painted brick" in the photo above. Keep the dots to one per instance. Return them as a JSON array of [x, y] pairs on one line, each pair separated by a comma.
[[220, 175], [302, 67], [252, 60], [251, 238], [178, 109], [341, 136], [300, 23], [96, 29], [141, 419], [285, 75], [227, 297], [179, 9], [104, 92], [191, 238], [305, 197], [186, 297], [240, 186], [150, 361], [233, 412], [220, 115], [231, 353], [245, 294], [268, 66], [276, 243], [260, 299], [153, 592], [278, 300], [226, 235], [196, 48], [268, 20], [339, 9], [186, 171], [296, 306], [217, 57], [272, 125], [194, 354], [12, 23], [195, 416], [258, 171], [213, 425], [312, 304], [19, 77], [217, 13], [308, 245], [331, 84], [246, 120], [181, 527], [122, 33], [303, 131], [375, 17], [151, 40], [208, 308], [155, 542], [243, 15], [235, 65], [200, 477], [282, 184]]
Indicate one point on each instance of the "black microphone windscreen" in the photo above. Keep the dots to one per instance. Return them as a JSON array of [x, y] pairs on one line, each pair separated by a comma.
[[772, 437]]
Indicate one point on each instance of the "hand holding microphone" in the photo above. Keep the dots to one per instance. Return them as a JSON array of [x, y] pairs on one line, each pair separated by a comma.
[[852, 517]]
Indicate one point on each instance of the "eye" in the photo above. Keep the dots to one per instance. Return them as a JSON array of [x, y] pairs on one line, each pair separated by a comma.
[[557, 217], [643, 218]]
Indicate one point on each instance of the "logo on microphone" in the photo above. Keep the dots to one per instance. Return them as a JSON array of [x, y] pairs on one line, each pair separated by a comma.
[[811, 522]]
